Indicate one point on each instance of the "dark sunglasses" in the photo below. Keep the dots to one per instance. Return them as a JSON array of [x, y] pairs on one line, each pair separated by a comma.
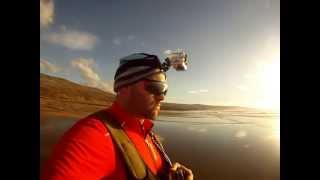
[[156, 87]]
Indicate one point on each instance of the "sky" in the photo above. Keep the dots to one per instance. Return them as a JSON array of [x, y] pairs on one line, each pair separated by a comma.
[[233, 46]]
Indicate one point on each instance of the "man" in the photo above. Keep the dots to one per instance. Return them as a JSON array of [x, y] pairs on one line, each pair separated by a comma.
[[91, 150]]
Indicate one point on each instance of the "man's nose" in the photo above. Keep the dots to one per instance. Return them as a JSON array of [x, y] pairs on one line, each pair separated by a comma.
[[160, 97]]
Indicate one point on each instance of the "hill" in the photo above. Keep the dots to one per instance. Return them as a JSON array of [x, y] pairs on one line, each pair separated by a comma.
[[59, 96]]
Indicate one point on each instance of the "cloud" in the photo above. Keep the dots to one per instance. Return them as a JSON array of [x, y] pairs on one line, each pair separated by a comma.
[[85, 67], [86, 70], [45, 65], [106, 86], [241, 134], [46, 13], [72, 39], [198, 91], [117, 41]]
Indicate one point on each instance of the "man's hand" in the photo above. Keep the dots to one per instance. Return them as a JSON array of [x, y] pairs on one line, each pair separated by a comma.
[[185, 173]]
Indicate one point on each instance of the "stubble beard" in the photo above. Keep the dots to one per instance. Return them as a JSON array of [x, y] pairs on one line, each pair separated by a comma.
[[154, 113]]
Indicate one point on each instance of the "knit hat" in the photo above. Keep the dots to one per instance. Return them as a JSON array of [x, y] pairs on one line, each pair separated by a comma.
[[135, 67]]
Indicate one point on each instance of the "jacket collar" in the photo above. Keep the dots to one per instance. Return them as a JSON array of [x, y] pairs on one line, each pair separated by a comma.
[[128, 122]]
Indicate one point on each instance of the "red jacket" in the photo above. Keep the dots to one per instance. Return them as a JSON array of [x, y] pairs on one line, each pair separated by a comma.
[[87, 151]]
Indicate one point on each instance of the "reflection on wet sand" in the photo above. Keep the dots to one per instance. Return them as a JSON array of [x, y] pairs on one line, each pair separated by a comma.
[[214, 147], [218, 153]]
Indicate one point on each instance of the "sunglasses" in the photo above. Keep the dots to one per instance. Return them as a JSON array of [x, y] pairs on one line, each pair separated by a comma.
[[156, 87]]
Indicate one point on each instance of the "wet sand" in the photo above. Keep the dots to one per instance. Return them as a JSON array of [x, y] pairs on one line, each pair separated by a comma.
[[223, 151]]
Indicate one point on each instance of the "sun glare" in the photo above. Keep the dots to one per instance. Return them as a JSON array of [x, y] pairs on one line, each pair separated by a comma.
[[269, 81], [270, 86]]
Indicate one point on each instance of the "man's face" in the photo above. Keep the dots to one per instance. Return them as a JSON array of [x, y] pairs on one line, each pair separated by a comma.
[[143, 102]]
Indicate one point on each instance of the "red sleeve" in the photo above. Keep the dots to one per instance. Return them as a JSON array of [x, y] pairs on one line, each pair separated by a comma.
[[86, 151]]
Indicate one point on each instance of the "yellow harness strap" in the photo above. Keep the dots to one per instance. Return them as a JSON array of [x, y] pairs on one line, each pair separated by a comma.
[[134, 162]]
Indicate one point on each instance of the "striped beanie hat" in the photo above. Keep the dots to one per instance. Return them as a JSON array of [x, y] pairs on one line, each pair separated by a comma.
[[135, 67]]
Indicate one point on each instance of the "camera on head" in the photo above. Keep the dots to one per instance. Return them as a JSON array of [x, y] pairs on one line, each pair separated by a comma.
[[177, 60]]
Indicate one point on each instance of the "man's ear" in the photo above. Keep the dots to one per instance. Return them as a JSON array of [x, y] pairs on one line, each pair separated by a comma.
[[124, 91]]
